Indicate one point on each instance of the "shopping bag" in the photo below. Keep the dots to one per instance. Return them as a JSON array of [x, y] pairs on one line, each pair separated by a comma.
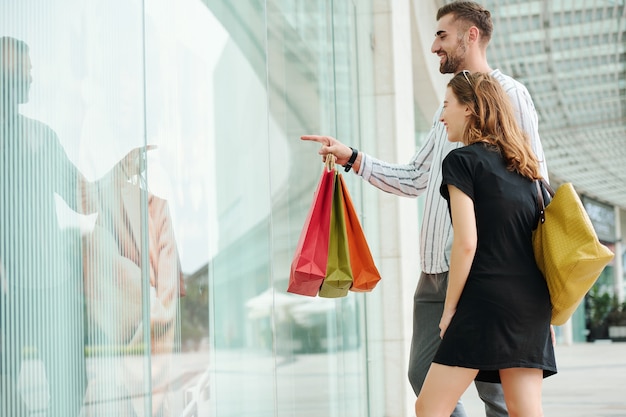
[[365, 275], [338, 272], [567, 249], [308, 267]]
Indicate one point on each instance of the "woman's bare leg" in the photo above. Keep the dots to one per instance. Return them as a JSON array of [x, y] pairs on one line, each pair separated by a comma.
[[522, 391], [442, 388]]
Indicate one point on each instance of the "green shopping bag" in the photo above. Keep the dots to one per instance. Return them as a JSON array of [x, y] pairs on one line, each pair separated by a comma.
[[338, 278]]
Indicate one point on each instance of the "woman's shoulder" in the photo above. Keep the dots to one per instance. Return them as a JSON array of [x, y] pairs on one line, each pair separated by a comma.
[[475, 150], [478, 158]]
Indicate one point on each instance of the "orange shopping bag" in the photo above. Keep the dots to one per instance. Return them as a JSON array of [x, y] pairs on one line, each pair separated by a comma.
[[365, 275], [308, 268]]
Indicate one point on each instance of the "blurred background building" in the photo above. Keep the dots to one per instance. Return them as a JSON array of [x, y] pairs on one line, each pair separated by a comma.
[[193, 238]]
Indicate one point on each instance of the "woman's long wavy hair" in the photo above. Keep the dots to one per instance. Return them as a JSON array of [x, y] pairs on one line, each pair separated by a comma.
[[493, 121]]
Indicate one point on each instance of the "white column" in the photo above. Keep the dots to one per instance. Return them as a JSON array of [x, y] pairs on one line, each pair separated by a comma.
[[405, 75], [399, 260]]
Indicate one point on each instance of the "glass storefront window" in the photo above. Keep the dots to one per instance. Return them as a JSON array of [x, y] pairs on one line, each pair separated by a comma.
[[152, 190]]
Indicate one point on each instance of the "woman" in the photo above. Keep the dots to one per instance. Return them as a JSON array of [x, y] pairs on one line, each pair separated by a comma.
[[496, 321]]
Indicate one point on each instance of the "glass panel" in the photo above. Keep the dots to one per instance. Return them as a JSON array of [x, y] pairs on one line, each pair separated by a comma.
[[41, 305], [193, 176], [152, 191], [74, 278], [313, 89], [239, 270]]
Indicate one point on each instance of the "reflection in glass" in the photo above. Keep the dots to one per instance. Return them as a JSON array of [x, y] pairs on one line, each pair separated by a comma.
[[153, 284], [41, 320], [41, 361]]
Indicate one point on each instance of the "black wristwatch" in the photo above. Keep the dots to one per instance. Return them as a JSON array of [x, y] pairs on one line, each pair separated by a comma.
[[348, 166]]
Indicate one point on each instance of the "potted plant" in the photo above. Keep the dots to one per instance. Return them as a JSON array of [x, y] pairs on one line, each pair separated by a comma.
[[616, 321], [598, 304]]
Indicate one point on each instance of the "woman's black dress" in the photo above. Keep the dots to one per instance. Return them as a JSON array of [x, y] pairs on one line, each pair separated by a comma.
[[503, 315]]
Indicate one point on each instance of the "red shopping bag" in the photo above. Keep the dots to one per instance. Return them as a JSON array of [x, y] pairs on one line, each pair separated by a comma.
[[308, 268], [338, 271], [365, 275]]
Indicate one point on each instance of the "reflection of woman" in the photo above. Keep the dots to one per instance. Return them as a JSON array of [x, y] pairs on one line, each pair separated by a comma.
[[496, 321], [113, 287]]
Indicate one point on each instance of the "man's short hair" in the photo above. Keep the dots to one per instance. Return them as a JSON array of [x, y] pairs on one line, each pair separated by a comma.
[[472, 13], [10, 48], [9, 43]]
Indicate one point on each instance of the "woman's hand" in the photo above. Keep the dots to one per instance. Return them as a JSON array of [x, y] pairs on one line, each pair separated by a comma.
[[446, 318], [134, 163]]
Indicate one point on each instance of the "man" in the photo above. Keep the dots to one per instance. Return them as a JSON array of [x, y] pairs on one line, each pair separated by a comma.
[[463, 32]]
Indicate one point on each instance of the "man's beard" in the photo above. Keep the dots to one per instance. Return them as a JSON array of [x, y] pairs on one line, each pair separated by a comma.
[[454, 63]]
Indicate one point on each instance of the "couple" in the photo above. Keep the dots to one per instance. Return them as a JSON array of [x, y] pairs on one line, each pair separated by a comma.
[[482, 311]]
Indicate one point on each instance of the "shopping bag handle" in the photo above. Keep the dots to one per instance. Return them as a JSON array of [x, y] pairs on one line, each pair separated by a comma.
[[541, 185], [330, 162]]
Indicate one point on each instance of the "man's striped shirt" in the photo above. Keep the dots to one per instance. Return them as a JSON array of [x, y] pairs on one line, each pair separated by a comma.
[[422, 174]]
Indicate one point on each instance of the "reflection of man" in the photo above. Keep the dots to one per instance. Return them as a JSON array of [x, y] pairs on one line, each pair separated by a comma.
[[42, 362], [41, 321]]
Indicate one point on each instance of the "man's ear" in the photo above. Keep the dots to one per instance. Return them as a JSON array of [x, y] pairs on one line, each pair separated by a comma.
[[473, 34]]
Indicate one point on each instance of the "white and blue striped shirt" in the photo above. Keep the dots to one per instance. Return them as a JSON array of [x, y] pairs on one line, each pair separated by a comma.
[[416, 177]]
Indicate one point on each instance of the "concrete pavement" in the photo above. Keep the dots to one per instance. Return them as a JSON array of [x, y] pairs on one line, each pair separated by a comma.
[[591, 382]]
